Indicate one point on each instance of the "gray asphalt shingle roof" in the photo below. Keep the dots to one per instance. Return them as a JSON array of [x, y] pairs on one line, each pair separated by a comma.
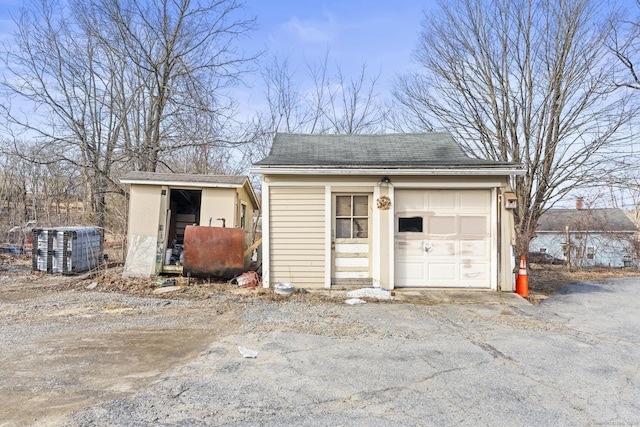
[[433, 149], [593, 220]]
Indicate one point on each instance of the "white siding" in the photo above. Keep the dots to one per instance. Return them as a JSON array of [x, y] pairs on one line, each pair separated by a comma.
[[297, 235]]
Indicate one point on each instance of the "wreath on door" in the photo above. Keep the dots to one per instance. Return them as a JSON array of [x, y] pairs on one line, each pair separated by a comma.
[[384, 203]]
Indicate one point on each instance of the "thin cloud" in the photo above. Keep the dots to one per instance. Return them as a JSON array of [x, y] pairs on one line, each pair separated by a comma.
[[309, 31]]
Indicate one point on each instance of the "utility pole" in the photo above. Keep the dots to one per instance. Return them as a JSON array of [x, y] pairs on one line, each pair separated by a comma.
[[568, 246]]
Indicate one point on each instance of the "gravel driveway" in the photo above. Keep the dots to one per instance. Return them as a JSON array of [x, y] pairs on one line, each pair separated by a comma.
[[73, 357]]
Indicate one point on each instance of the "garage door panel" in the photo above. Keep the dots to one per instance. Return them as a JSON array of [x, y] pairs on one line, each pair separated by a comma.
[[441, 248], [471, 270], [478, 249], [411, 271], [440, 200], [453, 249], [474, 201], [473, 225], [410, 201], [443, 272], [441, 225], [409, 248]]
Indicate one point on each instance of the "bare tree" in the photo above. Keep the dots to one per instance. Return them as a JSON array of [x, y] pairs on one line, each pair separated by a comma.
[[351, 107], [320, 101], [624, 42], [521, 81], [180, 57], [46, 193], [288, 111], [109, 82], [60, 91]]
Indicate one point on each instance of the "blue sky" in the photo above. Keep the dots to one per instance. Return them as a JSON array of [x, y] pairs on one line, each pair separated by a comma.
[[380, 33]]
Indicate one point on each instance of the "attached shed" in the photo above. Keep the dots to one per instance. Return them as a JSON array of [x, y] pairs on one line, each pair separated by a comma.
[[601, 237], [389, 211], [162, 205]]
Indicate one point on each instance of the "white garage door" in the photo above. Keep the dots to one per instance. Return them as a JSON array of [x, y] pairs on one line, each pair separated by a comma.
[[443, 238]]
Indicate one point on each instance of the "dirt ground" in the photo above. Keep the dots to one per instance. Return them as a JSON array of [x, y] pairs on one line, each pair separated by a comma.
[[104, 335], [72, 341]]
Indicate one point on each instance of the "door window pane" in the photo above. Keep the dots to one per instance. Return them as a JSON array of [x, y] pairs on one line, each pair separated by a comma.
[[343, 228], [343, 205], [361, 228], [360, 206]]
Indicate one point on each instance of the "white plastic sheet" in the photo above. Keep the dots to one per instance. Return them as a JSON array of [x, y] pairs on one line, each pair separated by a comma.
[[245, 352]]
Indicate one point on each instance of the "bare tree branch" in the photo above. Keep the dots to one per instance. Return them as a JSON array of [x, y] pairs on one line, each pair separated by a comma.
[[522, 81]]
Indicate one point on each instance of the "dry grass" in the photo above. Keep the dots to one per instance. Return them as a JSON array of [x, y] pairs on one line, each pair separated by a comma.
[[108, 278], [544, 281], [111, 280]]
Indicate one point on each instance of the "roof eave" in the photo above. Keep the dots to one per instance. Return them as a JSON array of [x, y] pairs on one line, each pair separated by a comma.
[[181, 183], [336, 170], [254, 197]]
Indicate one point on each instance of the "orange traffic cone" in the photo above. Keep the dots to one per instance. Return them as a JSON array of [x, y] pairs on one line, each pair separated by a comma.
[[522, 282]]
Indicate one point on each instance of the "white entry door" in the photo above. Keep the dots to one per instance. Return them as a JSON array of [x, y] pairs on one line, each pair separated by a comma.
[[351, 240], [443, 238]]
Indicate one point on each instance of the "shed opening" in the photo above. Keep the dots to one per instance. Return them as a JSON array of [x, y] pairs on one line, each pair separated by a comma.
[[185, 210]]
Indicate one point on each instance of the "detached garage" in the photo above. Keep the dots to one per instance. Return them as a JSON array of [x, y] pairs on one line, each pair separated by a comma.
[[390, 211]]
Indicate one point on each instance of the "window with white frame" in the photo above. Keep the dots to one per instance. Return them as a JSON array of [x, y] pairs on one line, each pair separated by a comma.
[[352, 216]]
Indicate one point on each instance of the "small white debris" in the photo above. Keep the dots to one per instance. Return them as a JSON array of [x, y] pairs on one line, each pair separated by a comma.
[[377, 293], [354, 301], [245, 352], [92, 285]]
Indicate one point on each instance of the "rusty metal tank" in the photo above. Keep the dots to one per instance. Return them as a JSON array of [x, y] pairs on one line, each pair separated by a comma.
[[213, 252]]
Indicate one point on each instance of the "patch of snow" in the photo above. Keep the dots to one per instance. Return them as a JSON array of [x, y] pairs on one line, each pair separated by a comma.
[[378, 293]]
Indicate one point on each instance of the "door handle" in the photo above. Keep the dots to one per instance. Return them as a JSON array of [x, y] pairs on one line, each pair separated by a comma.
[[427, 248]]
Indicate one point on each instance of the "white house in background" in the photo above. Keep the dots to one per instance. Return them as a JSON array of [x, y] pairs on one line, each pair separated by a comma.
[[405, 210], [596, 237]]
